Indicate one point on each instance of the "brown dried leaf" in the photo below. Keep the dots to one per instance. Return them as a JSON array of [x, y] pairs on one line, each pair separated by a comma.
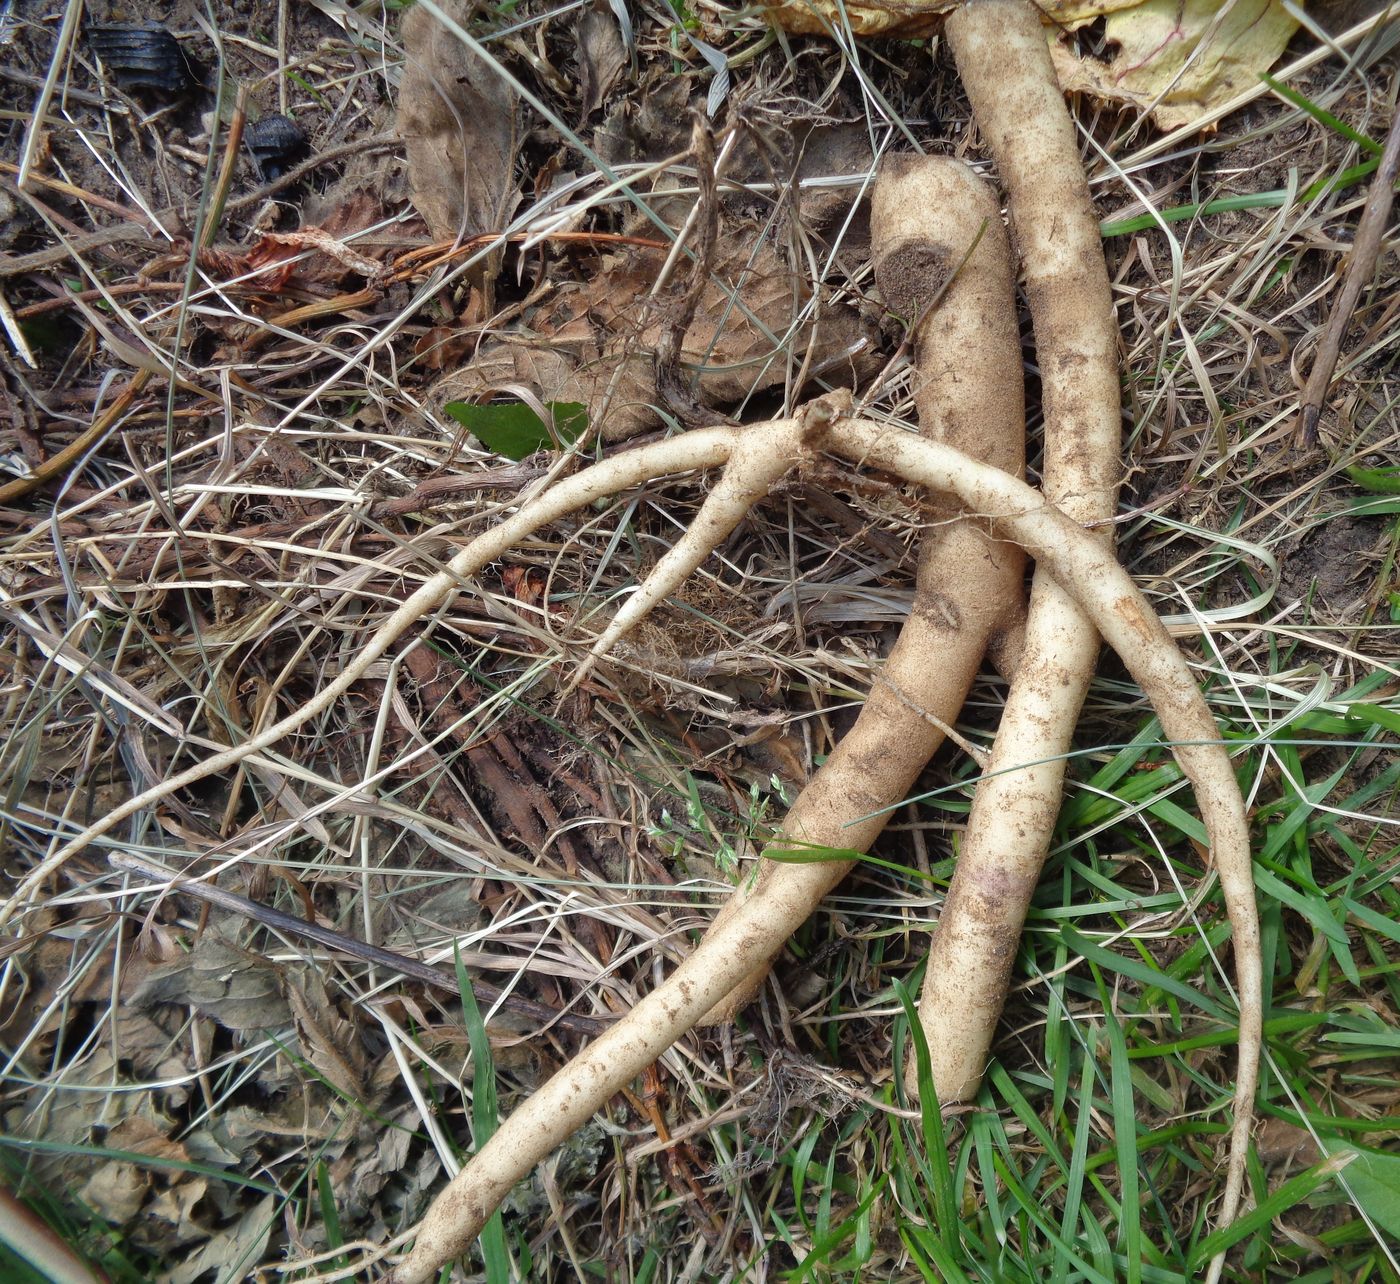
[[329, 1041], [115, 1192], [279, 247], [910, 21], [240, 1245], [594, 342], [1281, 1142], [458, 120], [152, 1050], [239, 990], [117, 1189], [601, 56], [33, 1008]]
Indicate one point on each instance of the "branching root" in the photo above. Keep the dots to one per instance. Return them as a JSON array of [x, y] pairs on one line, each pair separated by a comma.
[[1106, 593]]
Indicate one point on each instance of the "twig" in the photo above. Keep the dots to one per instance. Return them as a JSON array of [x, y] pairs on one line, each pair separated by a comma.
[[37, 1243], [338, 941], [76, 247], [362, 147], [58, 64], [57, 465], [1360, 270], [233, 142]]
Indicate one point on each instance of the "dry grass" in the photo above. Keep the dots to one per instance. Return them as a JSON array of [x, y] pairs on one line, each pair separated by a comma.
[[173, 1080]]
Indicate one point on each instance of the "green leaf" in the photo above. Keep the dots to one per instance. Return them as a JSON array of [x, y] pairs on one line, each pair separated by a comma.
[[1374, 1181], [1380, 481], [795, 853], [330, 1214], [938, 1171], [1125, 1133], [1377, 714], [485, 1119], [515, 430], [1321, 115]]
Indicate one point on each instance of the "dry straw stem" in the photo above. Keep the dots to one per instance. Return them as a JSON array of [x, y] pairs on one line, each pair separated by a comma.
[[1089, 572], [617, 473], [1078, 561], [926, 213], [1360, 271], [1000, 49]]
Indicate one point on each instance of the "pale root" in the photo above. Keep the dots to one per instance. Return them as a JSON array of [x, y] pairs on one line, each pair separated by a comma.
[[1093, 578], [943, 264], [1004, 64]]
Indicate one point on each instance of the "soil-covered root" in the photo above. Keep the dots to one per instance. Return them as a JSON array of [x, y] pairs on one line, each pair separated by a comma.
[[1085, 569], [1000, 49], [943, 265]]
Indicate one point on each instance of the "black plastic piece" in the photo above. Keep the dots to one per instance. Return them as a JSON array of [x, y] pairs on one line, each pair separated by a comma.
[[142, 55]]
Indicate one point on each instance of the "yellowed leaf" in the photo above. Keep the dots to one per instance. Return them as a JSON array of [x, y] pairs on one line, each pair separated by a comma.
[[1180, 59], [911, 19], [908, 20]]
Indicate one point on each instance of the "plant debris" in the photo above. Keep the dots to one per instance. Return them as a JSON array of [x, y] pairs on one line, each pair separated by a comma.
[[459, 122]]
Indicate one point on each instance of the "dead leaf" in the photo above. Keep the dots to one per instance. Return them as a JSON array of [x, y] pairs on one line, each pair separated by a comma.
[[239, 990], [593, 343], [458, 121], [442, 347], [913, 19], [175, 1207], [910, 21], [280, 247], [152, 1051], [117, 1189], [115, 1192], [330, 1042], [231, 1252], [601, 57], [1281, 1142], [1180, 59], [34, 1011]]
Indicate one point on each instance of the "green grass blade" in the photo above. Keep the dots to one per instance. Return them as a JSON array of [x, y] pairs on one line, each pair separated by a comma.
[[1287, 1196], [485, 1118], [330, 1212], [945, 1203], [1322, 115], [1138, 971], [1125, 1137]]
